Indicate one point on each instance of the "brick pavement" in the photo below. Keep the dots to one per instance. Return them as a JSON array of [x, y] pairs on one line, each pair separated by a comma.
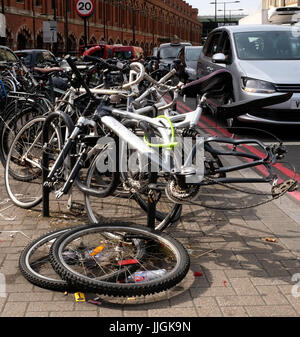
[[242, 273]]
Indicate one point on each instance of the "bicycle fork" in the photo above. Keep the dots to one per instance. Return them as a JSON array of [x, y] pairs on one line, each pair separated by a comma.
[[77, 167], [52, 176]]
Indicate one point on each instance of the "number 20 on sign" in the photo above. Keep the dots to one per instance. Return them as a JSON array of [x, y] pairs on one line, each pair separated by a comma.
[[85, 8]]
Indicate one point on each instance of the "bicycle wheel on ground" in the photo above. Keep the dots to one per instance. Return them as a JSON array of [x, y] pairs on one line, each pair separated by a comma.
[[136, 262], [34, 262], [23, 171]]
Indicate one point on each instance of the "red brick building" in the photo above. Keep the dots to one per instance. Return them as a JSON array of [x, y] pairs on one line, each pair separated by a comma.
[[145, 23]]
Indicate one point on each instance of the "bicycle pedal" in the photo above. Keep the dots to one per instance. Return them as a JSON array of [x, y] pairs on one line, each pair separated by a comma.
[[188, 171], [290, 185]]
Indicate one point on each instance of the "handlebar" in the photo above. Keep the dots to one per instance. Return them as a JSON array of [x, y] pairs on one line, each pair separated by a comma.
[[72, 65], [136, 66], [167, 76], [28, 73], [118, 66]]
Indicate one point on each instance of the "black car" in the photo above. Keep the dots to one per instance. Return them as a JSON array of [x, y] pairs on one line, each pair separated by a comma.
[[36, 57], [42, 58], [186, 62], [7, 55], [167, 53]]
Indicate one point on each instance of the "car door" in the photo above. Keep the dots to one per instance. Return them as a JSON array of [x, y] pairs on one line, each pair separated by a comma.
[[226, 47], [211, 47]]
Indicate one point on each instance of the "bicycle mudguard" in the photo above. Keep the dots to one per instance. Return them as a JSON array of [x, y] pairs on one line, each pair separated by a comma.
[[241, 108]]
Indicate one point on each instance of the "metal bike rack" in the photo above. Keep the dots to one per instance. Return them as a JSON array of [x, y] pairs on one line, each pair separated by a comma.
[[45, 166], [45, 158], [151, 210], [152, 194]]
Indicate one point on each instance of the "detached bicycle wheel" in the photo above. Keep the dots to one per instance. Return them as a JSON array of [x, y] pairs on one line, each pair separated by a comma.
[[135, 261], [34, 262]]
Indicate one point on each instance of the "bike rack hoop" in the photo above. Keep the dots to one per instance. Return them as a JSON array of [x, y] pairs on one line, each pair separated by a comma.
[[45, 157]]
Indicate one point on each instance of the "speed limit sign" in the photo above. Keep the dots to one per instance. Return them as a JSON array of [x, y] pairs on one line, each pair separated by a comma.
[[85, 8]]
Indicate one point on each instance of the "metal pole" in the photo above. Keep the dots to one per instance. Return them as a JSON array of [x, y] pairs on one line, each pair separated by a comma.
[[224, 12], [54, 18], [104, 26], [85, 32], [216, 5], [153, 31], [33, 23], [3, 39], [66, 27], [133, 26]]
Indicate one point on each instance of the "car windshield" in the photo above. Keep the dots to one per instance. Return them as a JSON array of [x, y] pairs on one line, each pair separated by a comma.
[[7, 56], [123, 54], [48, 56], [169, 52], [26, 58], [270, 45], [192, 54]]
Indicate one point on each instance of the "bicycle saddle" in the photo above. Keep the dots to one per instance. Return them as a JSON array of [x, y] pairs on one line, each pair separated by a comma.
[[241, 108], [48, 70], [212, 82]]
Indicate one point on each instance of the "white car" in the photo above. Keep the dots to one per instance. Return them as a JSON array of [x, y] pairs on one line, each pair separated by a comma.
[[263, 60]]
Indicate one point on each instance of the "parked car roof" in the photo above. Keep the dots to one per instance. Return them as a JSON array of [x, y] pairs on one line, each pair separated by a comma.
[[175, 44], [31, 50], [253, 28], [35, 56]]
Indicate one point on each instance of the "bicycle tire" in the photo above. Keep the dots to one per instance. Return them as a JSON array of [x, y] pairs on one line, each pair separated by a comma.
[[12, 123], [166, 212], [30, 268], [109, 204], [170, 255], [119, 196], [27, 170]]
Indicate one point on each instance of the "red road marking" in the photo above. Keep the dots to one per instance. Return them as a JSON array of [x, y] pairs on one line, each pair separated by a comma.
[[286, 171]]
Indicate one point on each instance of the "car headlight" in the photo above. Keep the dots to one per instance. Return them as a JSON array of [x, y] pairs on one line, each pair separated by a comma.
[[257, 86]]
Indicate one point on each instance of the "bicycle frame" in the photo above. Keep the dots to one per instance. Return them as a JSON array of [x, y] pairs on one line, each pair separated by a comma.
[[189, 120], [108, 118]]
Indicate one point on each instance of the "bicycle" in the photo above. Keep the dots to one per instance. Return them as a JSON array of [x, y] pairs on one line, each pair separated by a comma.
[[177, 188]]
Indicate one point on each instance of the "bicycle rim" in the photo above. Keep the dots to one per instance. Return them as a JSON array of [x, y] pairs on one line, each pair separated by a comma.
[[23, 172], [137, 262], [119, 202], [34, 262]]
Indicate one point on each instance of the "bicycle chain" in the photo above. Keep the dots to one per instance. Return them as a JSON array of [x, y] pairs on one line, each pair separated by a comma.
[[278, 191]]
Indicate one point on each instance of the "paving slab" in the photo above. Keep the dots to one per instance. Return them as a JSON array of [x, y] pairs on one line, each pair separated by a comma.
[[241, 274]]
